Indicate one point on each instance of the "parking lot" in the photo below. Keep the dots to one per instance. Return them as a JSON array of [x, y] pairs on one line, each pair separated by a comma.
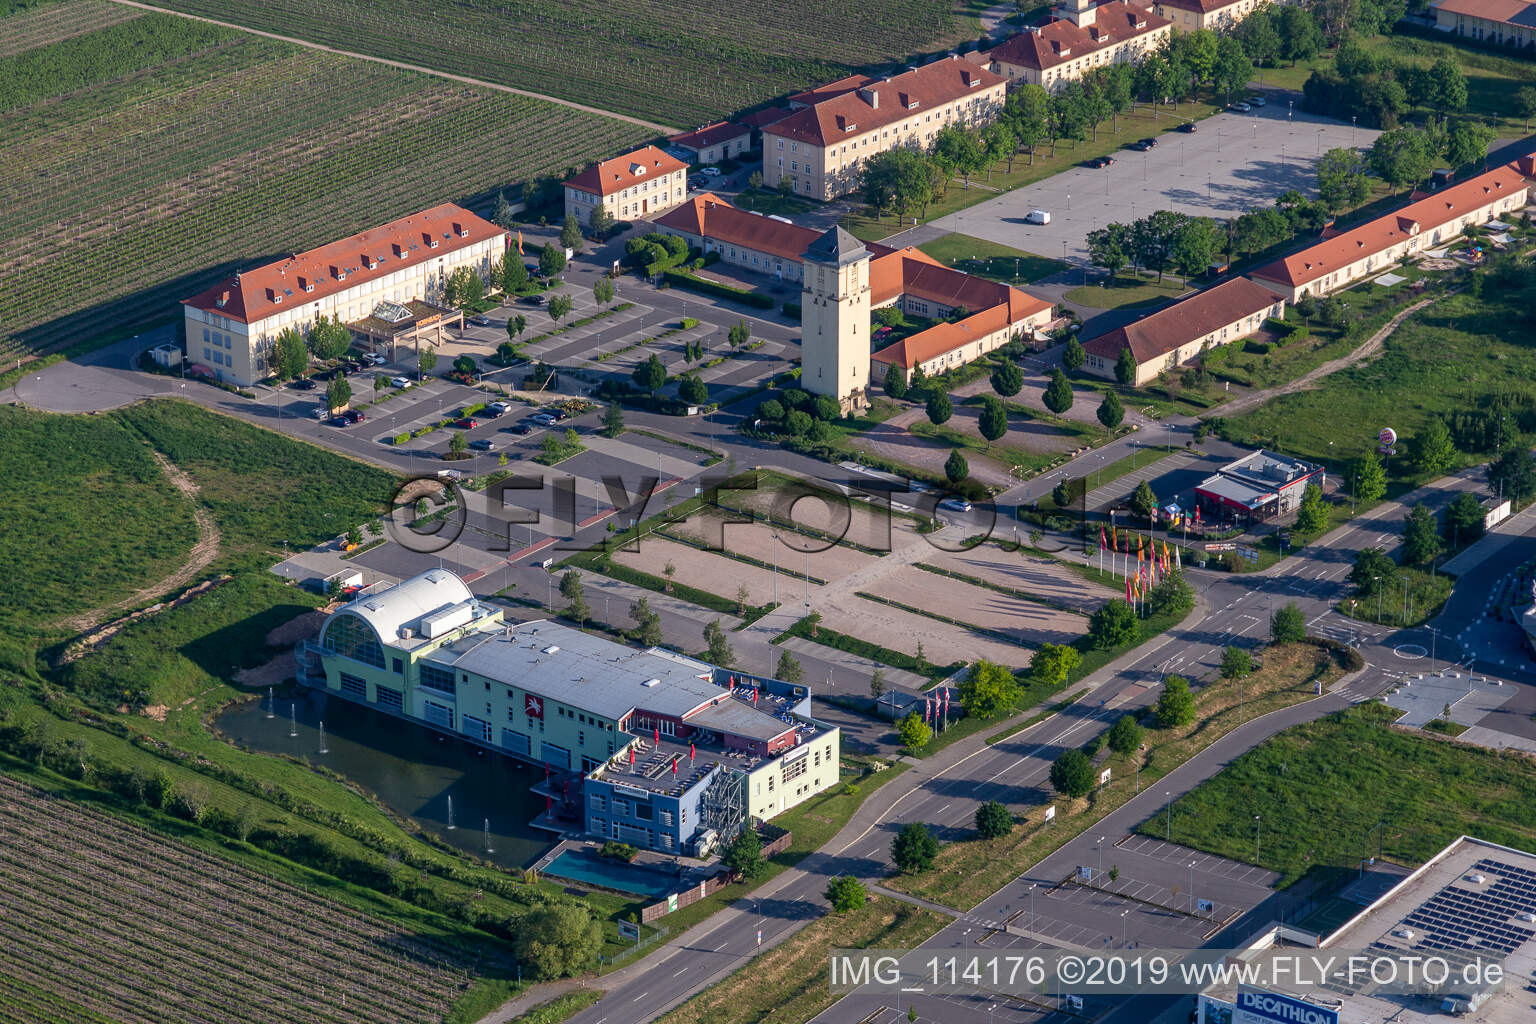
[[1233, 163]]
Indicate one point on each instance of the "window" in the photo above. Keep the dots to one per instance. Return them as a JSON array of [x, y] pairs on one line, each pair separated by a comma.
[[354, 686], [599, 803], [399, 666], [350, 637], [388, 699], [437, 678]]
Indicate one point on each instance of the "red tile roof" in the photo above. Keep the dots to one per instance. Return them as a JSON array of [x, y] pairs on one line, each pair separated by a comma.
[[709, 216], [610, 176], [1509, 12], [254, 295], [844, 108], [710, 135], [1060, 40], [763, 118], [1374, 236], [1189, 319], [941, 339], [1197, 6]]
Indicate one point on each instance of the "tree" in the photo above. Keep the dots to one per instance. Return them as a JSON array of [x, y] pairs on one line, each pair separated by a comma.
[[289, 356], [993, 820], [647, 623], [329, 338], [895, 382], [501, 211], [739, 334], [1007, 379], [1232, 69], [570, 233], [693, 390], [513, 274], [1144, 502], [458, 444], [1176, 704], [602, 290], [1288, 625], [1073, 357], [1300, 36], [1125, 735], [1194, 246], [1524, 105], [1513, 475], [1111, 413], [825, 407], [1402, 156], [1171, 595], [1058, 393], [993, 421], [1311, 514], [572, 590], [1259, 37], [719, 646], [1114, 624], [1236, 663], [789, 668], [1027, 112], [556, 940], [914, 848], [463, 288], [337, 393], [1421, 537], [559, 306], [1110, 247], [1125, 367], [1433, 449], [551, 260], [846, 894], [798, 423], [989, 690], [1467, 143], [1373, 570], [1464, 519], [1053, 663], [913, 732], [427, 361], [1370, 479], [1072, 774], [745, 855], [613, 421], [1448, 87], [956, 468], [650, 375], [939, 407], [877, 684], [516, 324]]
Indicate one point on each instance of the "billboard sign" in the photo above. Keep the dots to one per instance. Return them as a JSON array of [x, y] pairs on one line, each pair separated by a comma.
[[1221, 545], [1255, 1006], [1050, 813], [1385, 441], [629, 930]]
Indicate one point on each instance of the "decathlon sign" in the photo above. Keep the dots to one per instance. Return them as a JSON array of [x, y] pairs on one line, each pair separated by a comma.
[[1258, 1007]]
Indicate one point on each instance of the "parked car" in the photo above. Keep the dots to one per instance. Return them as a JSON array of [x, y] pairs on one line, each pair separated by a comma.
[[1101, 161], [303, 384], [1144, 144], [710, 172], [494, 409], [520, 428], [1188, 128], [1239, 106], [558, 415], [1037, 217], [956, 505], [543, 419], [536, 299], [375, 358], [339, 421], [400, 382], [355, 415], [466, 423], [1259, 101], [481, 444], [479, 321]]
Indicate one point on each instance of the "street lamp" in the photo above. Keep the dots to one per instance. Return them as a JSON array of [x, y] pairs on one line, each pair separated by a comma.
[[1101, 861], [1377, 580], [1258, 831], [1169, 794], [1191, 888], [1031, 906]]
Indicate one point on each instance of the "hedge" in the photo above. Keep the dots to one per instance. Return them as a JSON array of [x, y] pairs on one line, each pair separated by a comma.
[[684, 279]]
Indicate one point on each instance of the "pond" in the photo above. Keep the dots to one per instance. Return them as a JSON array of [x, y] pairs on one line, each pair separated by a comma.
[[416, 772]]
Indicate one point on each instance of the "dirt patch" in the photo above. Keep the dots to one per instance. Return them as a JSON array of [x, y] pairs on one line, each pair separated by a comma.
[[201, 556], [1026, 621], [300, 627], [794, 553], [902, 631], [1042, 577], [276, 671], [156, 712], [707, 570]]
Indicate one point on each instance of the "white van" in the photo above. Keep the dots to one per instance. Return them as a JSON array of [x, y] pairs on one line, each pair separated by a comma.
[[1037, 217]]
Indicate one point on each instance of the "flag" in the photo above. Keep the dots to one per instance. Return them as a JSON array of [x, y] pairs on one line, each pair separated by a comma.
[[1178, 558], [631, 755], [691, 755], [1102, 542], [754, 695], [1114, 537], [674, 766], [927, 709], [1128, 593], [1197, 513], [657, 732], [519, 243], [1165, 554]]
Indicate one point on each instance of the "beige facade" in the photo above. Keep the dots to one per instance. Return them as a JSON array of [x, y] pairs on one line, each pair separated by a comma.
[[1102, 364], [834, 319], [819, 151], [794, 778], [1191, 15], [1501, 22], [635, 186], [232, 327], [1088, 35]]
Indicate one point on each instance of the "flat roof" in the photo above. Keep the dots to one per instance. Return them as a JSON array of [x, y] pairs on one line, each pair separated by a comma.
[[1236, 490], [1447, 913]]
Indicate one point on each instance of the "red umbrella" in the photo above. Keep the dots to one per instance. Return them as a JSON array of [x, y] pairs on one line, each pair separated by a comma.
[[691, 754], [674, 766], [657, 732], [631, 755]]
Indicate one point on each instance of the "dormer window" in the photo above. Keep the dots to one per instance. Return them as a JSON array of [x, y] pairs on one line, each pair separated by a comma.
[[367, 261], [339, 273], [307, 284]]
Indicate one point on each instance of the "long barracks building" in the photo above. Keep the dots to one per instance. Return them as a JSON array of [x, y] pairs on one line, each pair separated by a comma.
[[651, 748]]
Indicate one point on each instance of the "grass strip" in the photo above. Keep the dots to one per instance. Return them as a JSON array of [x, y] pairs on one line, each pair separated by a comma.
[[807, 628], [977, 581], [553, 1012]]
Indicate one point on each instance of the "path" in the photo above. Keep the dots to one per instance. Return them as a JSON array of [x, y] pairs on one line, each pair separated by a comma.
[[202, 555], [481, 83], [1302, 383]]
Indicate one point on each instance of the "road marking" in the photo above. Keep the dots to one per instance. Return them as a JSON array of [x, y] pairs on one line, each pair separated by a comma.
[[642, 995], [683, 971]]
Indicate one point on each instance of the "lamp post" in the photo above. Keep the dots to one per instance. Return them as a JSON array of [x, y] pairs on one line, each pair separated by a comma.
[[1101, 861], [1169, 794], [1377, 580], [1191, 888], [1258, 831], [1031, 906], [1434, 635]]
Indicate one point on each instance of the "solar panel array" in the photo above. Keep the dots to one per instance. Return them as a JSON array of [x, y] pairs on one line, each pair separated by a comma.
[[1482, 920]]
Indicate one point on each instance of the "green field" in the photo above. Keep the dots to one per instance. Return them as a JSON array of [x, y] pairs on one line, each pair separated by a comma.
[[1322, 789], [1451, 357], [641, 59], [148, 156], [1126, 291], [991, 259]]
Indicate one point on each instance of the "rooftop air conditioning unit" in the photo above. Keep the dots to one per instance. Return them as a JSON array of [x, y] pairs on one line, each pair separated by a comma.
[[651, 682], [1476, 879], [551, 649]]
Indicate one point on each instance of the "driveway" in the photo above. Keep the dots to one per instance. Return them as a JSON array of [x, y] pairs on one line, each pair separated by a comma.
[[1232, 164]]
